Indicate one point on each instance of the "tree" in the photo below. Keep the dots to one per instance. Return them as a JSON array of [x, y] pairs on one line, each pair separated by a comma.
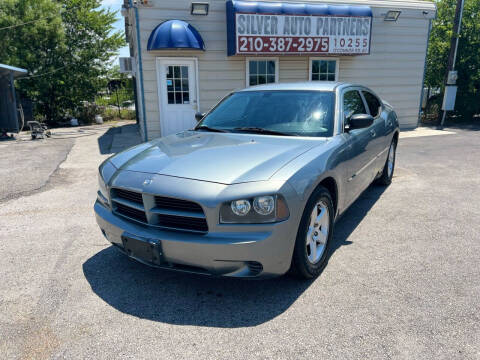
[[468, 54], [66, 46]]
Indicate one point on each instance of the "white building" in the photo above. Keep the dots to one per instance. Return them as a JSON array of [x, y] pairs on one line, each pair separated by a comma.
[[187, 55]]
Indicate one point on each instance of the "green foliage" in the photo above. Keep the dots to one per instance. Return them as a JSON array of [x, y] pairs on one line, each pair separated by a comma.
[[468, 55], [67, 47], [110, 114]]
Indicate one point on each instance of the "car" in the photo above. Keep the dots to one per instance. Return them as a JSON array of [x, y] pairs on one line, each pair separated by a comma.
[[255, 188]]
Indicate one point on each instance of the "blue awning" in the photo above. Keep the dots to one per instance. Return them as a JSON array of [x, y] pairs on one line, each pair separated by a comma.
[[261, 7], [175, 34]]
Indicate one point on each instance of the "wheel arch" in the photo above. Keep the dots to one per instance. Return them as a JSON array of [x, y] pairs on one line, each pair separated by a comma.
[[395, 137], [330, 184]]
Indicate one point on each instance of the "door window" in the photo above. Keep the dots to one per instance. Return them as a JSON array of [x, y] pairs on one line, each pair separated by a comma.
[[177, 84], [352, 104], [373, 103]]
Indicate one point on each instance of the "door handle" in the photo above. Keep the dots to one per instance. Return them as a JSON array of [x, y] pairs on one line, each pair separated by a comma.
[[373, 133]]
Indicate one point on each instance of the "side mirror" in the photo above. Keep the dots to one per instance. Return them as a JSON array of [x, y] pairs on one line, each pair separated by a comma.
[[199, 116], [359, 121]]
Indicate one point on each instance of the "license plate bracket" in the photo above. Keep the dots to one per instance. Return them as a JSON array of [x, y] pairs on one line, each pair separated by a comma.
[[144, 250]]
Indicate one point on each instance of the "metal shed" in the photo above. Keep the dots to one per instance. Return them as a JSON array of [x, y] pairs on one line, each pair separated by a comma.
[[8, 100]]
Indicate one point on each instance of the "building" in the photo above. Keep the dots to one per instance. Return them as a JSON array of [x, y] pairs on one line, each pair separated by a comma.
[[8, 99], [187, 55]]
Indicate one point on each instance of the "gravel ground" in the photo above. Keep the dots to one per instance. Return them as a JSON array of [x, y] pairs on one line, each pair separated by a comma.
[[403, 279]]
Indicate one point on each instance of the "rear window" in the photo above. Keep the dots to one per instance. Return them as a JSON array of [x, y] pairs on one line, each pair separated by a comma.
[[373, 103]]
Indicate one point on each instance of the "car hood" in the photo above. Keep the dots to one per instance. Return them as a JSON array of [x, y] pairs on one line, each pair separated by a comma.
[[225, 158]]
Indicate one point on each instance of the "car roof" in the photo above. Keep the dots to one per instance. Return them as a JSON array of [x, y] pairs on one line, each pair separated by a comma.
[[306, 85]]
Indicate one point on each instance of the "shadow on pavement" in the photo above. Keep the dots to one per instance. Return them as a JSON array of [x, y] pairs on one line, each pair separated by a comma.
[[185, 299], [119, 138]]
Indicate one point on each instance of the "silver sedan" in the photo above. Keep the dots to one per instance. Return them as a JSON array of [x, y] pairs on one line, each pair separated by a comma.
[[255, 188]]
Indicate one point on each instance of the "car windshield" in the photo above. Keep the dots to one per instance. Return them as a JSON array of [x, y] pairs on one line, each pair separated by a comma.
[[289, 112]]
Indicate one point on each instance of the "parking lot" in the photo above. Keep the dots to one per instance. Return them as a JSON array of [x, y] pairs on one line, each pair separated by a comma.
[[402, 282]]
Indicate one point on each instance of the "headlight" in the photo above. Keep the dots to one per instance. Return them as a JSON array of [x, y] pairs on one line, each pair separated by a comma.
[[102, 194], [257, 210], [240, 207], [264, 205], [105, 173]]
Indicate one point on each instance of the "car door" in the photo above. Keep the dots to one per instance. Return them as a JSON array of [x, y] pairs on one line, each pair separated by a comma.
[[379, 136], [361, 150]]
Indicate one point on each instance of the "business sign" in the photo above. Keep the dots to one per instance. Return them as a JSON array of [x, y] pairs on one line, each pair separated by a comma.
[[284, 34], [261, 27]]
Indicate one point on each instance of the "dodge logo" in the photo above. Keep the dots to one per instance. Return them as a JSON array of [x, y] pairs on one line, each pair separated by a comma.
[[147, 181]]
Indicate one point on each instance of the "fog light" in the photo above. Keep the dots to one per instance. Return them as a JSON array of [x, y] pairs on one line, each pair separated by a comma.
[[241, 207]]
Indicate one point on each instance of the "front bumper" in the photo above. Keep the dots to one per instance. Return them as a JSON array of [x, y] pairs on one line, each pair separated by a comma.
[[264, 250]]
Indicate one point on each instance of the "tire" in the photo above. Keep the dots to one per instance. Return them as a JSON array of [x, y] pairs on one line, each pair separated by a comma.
[[387, 175], [305, 262]]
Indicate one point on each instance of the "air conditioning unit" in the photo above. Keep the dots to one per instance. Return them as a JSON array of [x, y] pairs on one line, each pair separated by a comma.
[[127, 65]]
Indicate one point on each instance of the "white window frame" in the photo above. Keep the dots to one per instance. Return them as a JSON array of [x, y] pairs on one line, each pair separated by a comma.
[[260, 58], [327, 58]]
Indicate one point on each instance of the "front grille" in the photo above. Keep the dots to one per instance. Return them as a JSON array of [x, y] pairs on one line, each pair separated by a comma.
[[130, 212], [167, 212], [177, 204], [182, 222], [136, 197]]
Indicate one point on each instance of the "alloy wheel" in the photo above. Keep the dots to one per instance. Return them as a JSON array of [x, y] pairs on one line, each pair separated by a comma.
[[317, 234]]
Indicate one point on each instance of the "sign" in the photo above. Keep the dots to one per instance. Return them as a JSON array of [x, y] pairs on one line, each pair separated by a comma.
[[449, 98], [286, 34]]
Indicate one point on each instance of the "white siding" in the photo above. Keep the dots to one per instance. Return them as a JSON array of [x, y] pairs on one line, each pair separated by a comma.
[[394, 69]]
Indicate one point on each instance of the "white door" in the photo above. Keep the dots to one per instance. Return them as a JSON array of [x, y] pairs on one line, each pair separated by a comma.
[[177, 81]]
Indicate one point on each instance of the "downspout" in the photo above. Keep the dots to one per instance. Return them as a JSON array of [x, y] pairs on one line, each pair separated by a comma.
[[140, 69], [424, 72]]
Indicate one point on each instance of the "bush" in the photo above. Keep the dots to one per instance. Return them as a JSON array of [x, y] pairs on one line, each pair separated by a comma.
[[86, 113], [111, 113]]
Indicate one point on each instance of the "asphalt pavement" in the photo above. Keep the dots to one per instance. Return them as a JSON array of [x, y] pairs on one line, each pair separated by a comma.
[[402, 282]]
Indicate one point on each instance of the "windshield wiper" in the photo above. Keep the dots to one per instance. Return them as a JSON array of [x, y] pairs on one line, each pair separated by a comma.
[[208, 128], [258, 130]]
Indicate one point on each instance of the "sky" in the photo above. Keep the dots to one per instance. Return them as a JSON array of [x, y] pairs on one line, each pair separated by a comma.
[[119, 24]]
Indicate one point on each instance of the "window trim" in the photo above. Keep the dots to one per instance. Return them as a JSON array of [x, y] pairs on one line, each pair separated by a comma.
[[327, 58], [343, 91], [260, 58]]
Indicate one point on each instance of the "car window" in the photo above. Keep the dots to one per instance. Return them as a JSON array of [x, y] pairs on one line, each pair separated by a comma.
[[294, 112], [352, 104], [373, 103]]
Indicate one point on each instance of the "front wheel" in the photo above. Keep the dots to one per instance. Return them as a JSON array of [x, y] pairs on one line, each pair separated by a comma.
[[314, 235], [387, 173]]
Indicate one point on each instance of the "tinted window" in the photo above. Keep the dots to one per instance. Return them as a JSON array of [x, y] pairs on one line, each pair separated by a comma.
[[352, 104], [261, 72], [303, 113], [323, 70], [373, 103]]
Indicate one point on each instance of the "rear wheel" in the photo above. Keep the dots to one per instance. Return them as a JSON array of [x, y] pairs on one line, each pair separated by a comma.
[[314, 235], [387, 173]]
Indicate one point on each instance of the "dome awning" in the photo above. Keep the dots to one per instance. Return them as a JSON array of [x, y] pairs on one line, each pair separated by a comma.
[[175, 34]]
